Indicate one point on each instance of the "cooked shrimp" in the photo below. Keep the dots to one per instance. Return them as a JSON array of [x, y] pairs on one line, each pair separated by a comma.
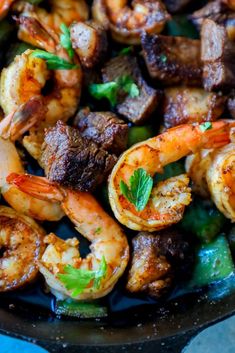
[[196, 166], [107, 238], [168, 198], [221, 178], [5, 7], [127, 23], [21, 244], [61, 11], [25, 78], [19, 121], [21, 202]]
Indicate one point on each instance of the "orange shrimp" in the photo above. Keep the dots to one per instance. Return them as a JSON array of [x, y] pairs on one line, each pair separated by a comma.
[[127, 22], [168, 198], [105, 234]]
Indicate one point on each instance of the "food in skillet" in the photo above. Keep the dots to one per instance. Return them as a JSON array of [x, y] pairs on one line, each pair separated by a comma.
[[135, 144]]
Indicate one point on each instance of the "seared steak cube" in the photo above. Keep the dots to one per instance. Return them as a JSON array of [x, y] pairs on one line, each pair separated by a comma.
[[218, 12], [104, 128], [139, 108], [218, 53], [213, 10], [89, 40], [157, 258], [73, 161], [182, 105], [172, 59]]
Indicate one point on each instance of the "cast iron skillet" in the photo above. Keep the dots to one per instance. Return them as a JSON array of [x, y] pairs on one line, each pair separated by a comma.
[[166, 330], [161, 329]]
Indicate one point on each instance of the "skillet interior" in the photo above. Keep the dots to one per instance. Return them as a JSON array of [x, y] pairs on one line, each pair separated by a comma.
[[182, 317]]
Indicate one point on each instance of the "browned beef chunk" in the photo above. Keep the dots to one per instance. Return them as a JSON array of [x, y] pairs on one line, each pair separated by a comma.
[[218, 12], [176, 5], [172, 59], [156, 259], [136, 109], [213, 10], [72, 160], [231, 104], [104, 128], [218, 54], [89, 40], [183, 105]]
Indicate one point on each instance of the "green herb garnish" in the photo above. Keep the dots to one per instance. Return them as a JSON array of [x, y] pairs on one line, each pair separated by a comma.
[[34, 2], [53, 62], [107, 90], [110, 90], [78, 279], [65, 40], [163, 58], [138, 193], [125, 51], [127, 84], [205, 126], [98, 230]]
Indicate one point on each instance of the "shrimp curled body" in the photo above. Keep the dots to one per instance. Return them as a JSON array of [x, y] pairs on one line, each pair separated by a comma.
[[169, 198], [61, 11], [126, 23], [25, 78], [196, 166], [106, 236], [21, 241], [5, 7], [10, 163], [221, 178], [216, 178]]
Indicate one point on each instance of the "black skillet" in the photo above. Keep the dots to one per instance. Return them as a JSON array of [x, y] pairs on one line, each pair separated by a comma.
[[152, 328], [169, 331]]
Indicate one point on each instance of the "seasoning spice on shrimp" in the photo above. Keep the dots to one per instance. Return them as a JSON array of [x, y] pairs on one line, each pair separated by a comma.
[[26, 77], [109, 247], [61, 11], [21, 240], [168, 198], [25, 204]]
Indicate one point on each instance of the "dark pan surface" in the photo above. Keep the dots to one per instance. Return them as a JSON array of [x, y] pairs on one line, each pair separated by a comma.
[[187, 314]]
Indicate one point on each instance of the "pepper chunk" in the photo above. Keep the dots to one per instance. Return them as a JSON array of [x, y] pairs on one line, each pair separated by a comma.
[[213, 263]]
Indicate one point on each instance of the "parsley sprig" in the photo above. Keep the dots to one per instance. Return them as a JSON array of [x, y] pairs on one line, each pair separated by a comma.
[[141, 184], [78, 280], [34, 2], [53, 61], [110, 90], [65, 40], [205, 126], [125, 51]]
